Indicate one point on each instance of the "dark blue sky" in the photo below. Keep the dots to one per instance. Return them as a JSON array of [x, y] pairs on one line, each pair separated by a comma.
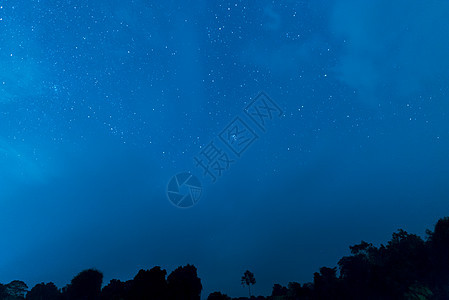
[[102, 102]]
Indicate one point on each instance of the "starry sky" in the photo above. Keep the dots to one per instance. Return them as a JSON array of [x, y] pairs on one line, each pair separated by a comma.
[[102, 102]]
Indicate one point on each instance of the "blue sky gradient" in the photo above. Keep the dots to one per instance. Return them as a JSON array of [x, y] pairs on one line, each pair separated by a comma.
[[102, 102]]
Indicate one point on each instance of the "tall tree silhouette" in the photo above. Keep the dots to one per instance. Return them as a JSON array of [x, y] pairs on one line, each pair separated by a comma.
[[326, 283], [248, 279], [438, 244], [42, 291], [85, 286], [149, 285], [184, 284]]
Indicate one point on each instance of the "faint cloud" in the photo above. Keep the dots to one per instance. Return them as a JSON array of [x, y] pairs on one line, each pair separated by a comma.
[[284, 58], [20, 79], [22, 67], [400, 46], [17, 167], [272, 19]]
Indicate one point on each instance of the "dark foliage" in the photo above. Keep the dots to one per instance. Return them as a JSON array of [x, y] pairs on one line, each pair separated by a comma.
[[218, 296], [84, 286], [279, 290], [115, 290], [184, 284], [248, 279], [42, 291], [149, 285], [14, 290], [3, 293], [407, 267]]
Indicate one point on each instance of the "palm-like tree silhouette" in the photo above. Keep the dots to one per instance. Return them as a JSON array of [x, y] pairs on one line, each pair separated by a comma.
[[248, 279]]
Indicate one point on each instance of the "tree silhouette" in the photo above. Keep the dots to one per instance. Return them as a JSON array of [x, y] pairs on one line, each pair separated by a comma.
[[218, 296], [115, 290], [438, 247], [184, 284], [3, 293], [392, 271], [295, 291], [279, 291], [326, 283], [407, 267], [85, 286], [149, 285], [248, 279], [16, 289], [42, 291]]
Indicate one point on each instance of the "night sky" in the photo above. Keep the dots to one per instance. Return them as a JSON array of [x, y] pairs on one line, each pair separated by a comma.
[[103, 102]]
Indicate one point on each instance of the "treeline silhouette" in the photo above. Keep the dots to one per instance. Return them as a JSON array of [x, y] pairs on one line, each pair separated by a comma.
[[407, 267]]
